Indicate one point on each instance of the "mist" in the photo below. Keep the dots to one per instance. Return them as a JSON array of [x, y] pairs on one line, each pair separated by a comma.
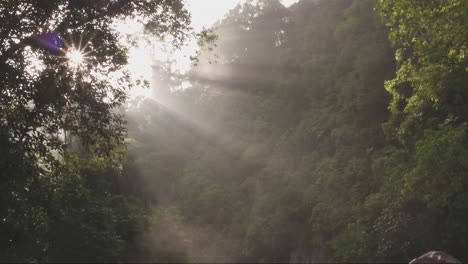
[[266, 131], [276, 150]]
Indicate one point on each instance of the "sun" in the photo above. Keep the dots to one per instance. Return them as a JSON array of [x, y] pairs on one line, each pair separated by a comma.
[[75, 58]]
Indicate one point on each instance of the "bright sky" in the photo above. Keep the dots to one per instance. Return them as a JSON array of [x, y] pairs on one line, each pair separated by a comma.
[[207, 12], [204, 14]]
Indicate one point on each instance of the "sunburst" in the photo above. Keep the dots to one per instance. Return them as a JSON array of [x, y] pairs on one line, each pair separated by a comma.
[[76, 55], [76, 58]]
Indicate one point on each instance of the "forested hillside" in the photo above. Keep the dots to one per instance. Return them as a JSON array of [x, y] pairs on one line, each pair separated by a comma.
[[307, 141], [327, 131]]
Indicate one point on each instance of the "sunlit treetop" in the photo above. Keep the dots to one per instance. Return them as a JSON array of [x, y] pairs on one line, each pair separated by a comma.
[[58, 37], [430, 38]]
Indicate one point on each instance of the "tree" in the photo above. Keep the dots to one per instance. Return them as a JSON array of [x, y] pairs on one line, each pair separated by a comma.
[[429, 88], [62, 77], [296, 101], [424, 199], [42, 95], [284, 153]]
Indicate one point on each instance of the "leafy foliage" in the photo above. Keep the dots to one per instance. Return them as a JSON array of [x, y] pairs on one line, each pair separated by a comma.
[[327, 131], [313, 139], [61, 136]]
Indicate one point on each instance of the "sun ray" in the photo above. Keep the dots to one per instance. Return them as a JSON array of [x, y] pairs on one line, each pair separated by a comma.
[[80, 42]]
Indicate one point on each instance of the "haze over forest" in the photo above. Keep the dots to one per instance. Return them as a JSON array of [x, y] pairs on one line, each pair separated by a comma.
[[324, 131]]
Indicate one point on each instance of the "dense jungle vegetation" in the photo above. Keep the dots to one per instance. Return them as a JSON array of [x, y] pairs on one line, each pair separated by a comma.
[[328, 131]]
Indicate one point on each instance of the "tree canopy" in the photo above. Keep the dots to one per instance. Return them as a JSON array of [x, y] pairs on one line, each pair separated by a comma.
[[61, 134], [327, 131]]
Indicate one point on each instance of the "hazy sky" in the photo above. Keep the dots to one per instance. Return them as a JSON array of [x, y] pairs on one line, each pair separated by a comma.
[[204, 14]]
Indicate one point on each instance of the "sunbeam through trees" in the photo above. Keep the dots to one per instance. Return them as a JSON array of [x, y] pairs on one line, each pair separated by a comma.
[[309, 131]]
